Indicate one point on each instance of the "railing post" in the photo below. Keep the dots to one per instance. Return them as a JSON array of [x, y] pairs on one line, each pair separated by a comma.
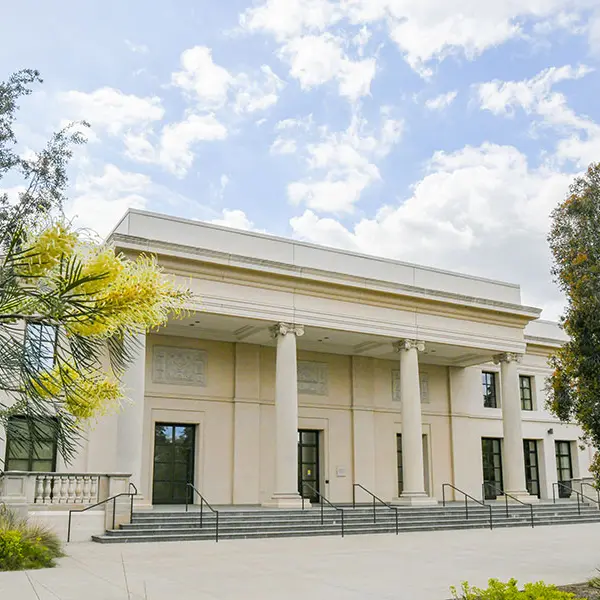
[[321, 510], [374, 512], [217, 529], [553, 493], [491, 518], [131, 509], [69, 528], [396, 521], [466, 508], [578, 504], [506, 504], [444, 495], [354, 495], [114, 511], [201, 510], [531, 508], [342, 522]]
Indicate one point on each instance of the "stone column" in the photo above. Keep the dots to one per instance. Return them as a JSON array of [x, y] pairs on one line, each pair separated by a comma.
[[412, 430], [286, 417], [514, 463], [130, 425]]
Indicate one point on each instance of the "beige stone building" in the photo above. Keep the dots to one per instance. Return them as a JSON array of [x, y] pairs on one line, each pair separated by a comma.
[[306, 369]]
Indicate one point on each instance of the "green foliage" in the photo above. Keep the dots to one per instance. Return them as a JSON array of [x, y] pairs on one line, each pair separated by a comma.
[[25, 545], [574, 387], [497, 590]]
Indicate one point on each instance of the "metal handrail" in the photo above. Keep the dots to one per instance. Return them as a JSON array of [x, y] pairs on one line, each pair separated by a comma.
[[556, 484], [322, 506], [114, 501], [203, 501], [362, 487], [445, 485], [597, 490], [506, 495]]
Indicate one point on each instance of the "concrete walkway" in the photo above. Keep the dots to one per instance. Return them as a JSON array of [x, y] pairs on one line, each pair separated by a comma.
[[414, 566]]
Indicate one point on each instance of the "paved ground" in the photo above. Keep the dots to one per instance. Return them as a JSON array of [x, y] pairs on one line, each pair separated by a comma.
[[419, 566]]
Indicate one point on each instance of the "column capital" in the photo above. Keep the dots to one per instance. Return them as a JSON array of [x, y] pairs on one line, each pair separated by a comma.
[[285, 328], [408, 344], [507, 357]]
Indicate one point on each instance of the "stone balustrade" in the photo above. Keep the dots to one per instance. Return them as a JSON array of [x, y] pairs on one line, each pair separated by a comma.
[[66, 488], [54, 490]]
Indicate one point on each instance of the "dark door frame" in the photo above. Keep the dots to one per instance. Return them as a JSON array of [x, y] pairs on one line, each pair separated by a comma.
[[490, 491], [179, 489], [530, 448], [304, 465]]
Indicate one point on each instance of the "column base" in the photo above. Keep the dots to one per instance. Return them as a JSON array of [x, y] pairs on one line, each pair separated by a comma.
[[522, 495], [414, 499], [289, 501]]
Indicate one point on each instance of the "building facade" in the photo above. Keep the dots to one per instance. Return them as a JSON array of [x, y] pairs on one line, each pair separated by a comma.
[[303, 370]]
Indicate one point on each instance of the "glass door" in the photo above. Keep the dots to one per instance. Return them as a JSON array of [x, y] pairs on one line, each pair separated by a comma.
[[491, 450], [308, 464], [564, 468], [532, 472], [174, 447]]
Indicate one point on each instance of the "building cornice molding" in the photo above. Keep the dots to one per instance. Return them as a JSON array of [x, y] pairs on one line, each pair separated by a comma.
[[172, 250]]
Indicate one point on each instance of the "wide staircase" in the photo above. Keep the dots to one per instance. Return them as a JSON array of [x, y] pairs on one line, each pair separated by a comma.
[[205, 523]]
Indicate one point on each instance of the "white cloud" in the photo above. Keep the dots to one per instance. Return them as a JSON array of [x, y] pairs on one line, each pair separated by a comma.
[[532, 95], [99, 200], [289, 18], [234, 218], [479, 210], [317, 59], [344, 166], [112, 110], [174, 150], [299, 123], [211, 85], [206, 81], [424, 30], [284, 146], [253, 94], [536, 96], [137, 48], [442, 101]]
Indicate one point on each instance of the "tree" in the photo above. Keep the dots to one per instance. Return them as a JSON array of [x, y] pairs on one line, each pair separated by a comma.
[[84, 303], [574, 390]]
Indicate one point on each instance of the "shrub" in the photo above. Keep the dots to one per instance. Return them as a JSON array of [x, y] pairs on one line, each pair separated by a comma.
[[497, 590], [25, 545]]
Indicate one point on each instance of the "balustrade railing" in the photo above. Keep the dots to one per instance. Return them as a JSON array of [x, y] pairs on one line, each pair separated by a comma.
[[52, 489], [66, 488]]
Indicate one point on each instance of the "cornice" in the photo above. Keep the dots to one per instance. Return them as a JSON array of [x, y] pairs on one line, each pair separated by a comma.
[[172, 250]]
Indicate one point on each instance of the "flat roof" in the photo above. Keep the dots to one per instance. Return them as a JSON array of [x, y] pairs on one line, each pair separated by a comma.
[[269, 249]]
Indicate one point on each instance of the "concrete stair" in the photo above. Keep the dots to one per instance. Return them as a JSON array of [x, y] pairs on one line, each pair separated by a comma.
[[164, 526]]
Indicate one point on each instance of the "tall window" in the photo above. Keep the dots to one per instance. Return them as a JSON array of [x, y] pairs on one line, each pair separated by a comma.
[[399, 455], [564, 463], [532, 472], [22, 453], [491, 451], [40, 345], [526, 393], [488, 381]]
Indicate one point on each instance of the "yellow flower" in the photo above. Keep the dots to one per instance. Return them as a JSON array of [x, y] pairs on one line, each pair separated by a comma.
[[46, 249], [92, 397]]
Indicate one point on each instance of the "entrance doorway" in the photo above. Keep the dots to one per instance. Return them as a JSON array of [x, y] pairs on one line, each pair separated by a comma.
[[174, 446], [491, 451], [308, 464], [532, 471]]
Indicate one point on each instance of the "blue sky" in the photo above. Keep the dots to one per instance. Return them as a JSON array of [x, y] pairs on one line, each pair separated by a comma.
[[436, 132]]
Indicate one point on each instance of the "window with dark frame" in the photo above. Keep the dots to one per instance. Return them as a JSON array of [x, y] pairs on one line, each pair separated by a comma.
[[488, 381], [399, 455], [40, 346], [22, 453], [526, 392]]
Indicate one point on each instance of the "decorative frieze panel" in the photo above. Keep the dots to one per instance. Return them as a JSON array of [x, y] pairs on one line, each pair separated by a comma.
[[423, 385], [312, 378], [179, 366]]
